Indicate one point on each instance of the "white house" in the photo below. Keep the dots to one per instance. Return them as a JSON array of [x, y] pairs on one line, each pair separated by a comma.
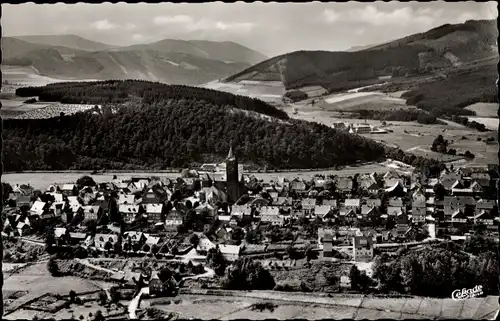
[[230, 252], [100, 241]]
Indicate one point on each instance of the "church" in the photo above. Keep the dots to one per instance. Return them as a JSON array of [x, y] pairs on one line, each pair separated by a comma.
[[235, 186]]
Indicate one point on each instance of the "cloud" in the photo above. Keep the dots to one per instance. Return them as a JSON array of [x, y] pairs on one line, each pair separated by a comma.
[[375, 17], [103, 25], [178, 19], [190, 24], [330, 15], [236, 26]]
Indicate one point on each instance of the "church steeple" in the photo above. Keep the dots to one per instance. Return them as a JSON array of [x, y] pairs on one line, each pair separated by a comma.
[[230, 155]]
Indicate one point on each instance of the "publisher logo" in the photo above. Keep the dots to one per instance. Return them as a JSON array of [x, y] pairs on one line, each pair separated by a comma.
[[467, 293]]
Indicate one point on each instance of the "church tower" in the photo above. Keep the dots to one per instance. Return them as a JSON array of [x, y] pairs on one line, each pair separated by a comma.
[[232, 177]]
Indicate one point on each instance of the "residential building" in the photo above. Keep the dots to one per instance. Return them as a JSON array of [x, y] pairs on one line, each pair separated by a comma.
[[362, 248], [100, 241], [91, 212], [154, 212], [128, 212], [230, 252], [173, 219]]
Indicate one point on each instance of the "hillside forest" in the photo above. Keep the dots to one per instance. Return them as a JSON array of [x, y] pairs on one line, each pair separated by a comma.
[[157, 126]]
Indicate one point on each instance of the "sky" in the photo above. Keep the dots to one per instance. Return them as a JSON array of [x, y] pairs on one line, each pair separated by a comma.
[[270, 28]]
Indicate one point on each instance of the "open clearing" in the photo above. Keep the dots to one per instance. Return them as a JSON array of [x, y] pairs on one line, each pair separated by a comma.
[[489, 122], [484, 109], [41, 180], [270, 91]]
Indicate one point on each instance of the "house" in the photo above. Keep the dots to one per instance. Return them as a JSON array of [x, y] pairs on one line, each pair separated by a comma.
[[345, 235], [483, 204], [373, 202], [395, 210], [331, 203], [297, 186], [282, 201], [396, 202], [38, 208], [154, 211], [128, 212], [322, 211], [105, 242], [271, 214], [419, 209], [91, 212], [204, 244], [458, 217], [327, 245], [137, 238], [353, 203], [308, 204], [241, 210], [344, 185], [223, 233], [321, 234], [126, 199], [230, 252], [485, 217], [348, 216], [150, 197], [151, 241], [397, 189], [173, 219], [69, 190], [391, 178], [362, 248]]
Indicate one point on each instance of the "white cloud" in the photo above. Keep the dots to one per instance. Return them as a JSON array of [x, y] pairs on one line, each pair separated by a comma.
[[178, 19], [236, 26], [190, 24], [103, 25], [330, 15], [371, 15]]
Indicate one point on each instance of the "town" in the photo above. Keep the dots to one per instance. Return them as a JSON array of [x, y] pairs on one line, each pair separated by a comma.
[[218, 216]]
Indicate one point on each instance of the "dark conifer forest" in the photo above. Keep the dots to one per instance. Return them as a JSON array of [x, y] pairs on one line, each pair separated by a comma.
[[156, 126]]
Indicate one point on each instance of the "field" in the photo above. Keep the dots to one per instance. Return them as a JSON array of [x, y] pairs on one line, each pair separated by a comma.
[[355, 101], [269, 91], [41, 111], [303, 306], [489, 122], [484, 109], [41, 180]]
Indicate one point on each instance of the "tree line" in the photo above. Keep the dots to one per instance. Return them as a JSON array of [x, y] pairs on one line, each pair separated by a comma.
[[121, 91], [176, 133]]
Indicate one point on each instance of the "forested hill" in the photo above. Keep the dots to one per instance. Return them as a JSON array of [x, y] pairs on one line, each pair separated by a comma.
[[121, 91], [177, 132]]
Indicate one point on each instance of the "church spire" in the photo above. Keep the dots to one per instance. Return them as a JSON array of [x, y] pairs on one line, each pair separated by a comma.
[[230, 155]]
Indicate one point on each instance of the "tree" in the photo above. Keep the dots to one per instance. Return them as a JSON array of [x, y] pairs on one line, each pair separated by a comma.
[[194, 240], [355, 277], [85, 181], [248, 275], [237, 234], [6, 190], [217, 261], [53, 268], [72, 296]]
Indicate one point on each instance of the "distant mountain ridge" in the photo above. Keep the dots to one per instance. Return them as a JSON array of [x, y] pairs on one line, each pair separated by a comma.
[[169, 61], [445, 46], [69, 41]]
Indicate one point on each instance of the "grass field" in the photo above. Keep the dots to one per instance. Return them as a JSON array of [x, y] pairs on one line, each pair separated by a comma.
[[489, 122], [303, 306], [484, 109]]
